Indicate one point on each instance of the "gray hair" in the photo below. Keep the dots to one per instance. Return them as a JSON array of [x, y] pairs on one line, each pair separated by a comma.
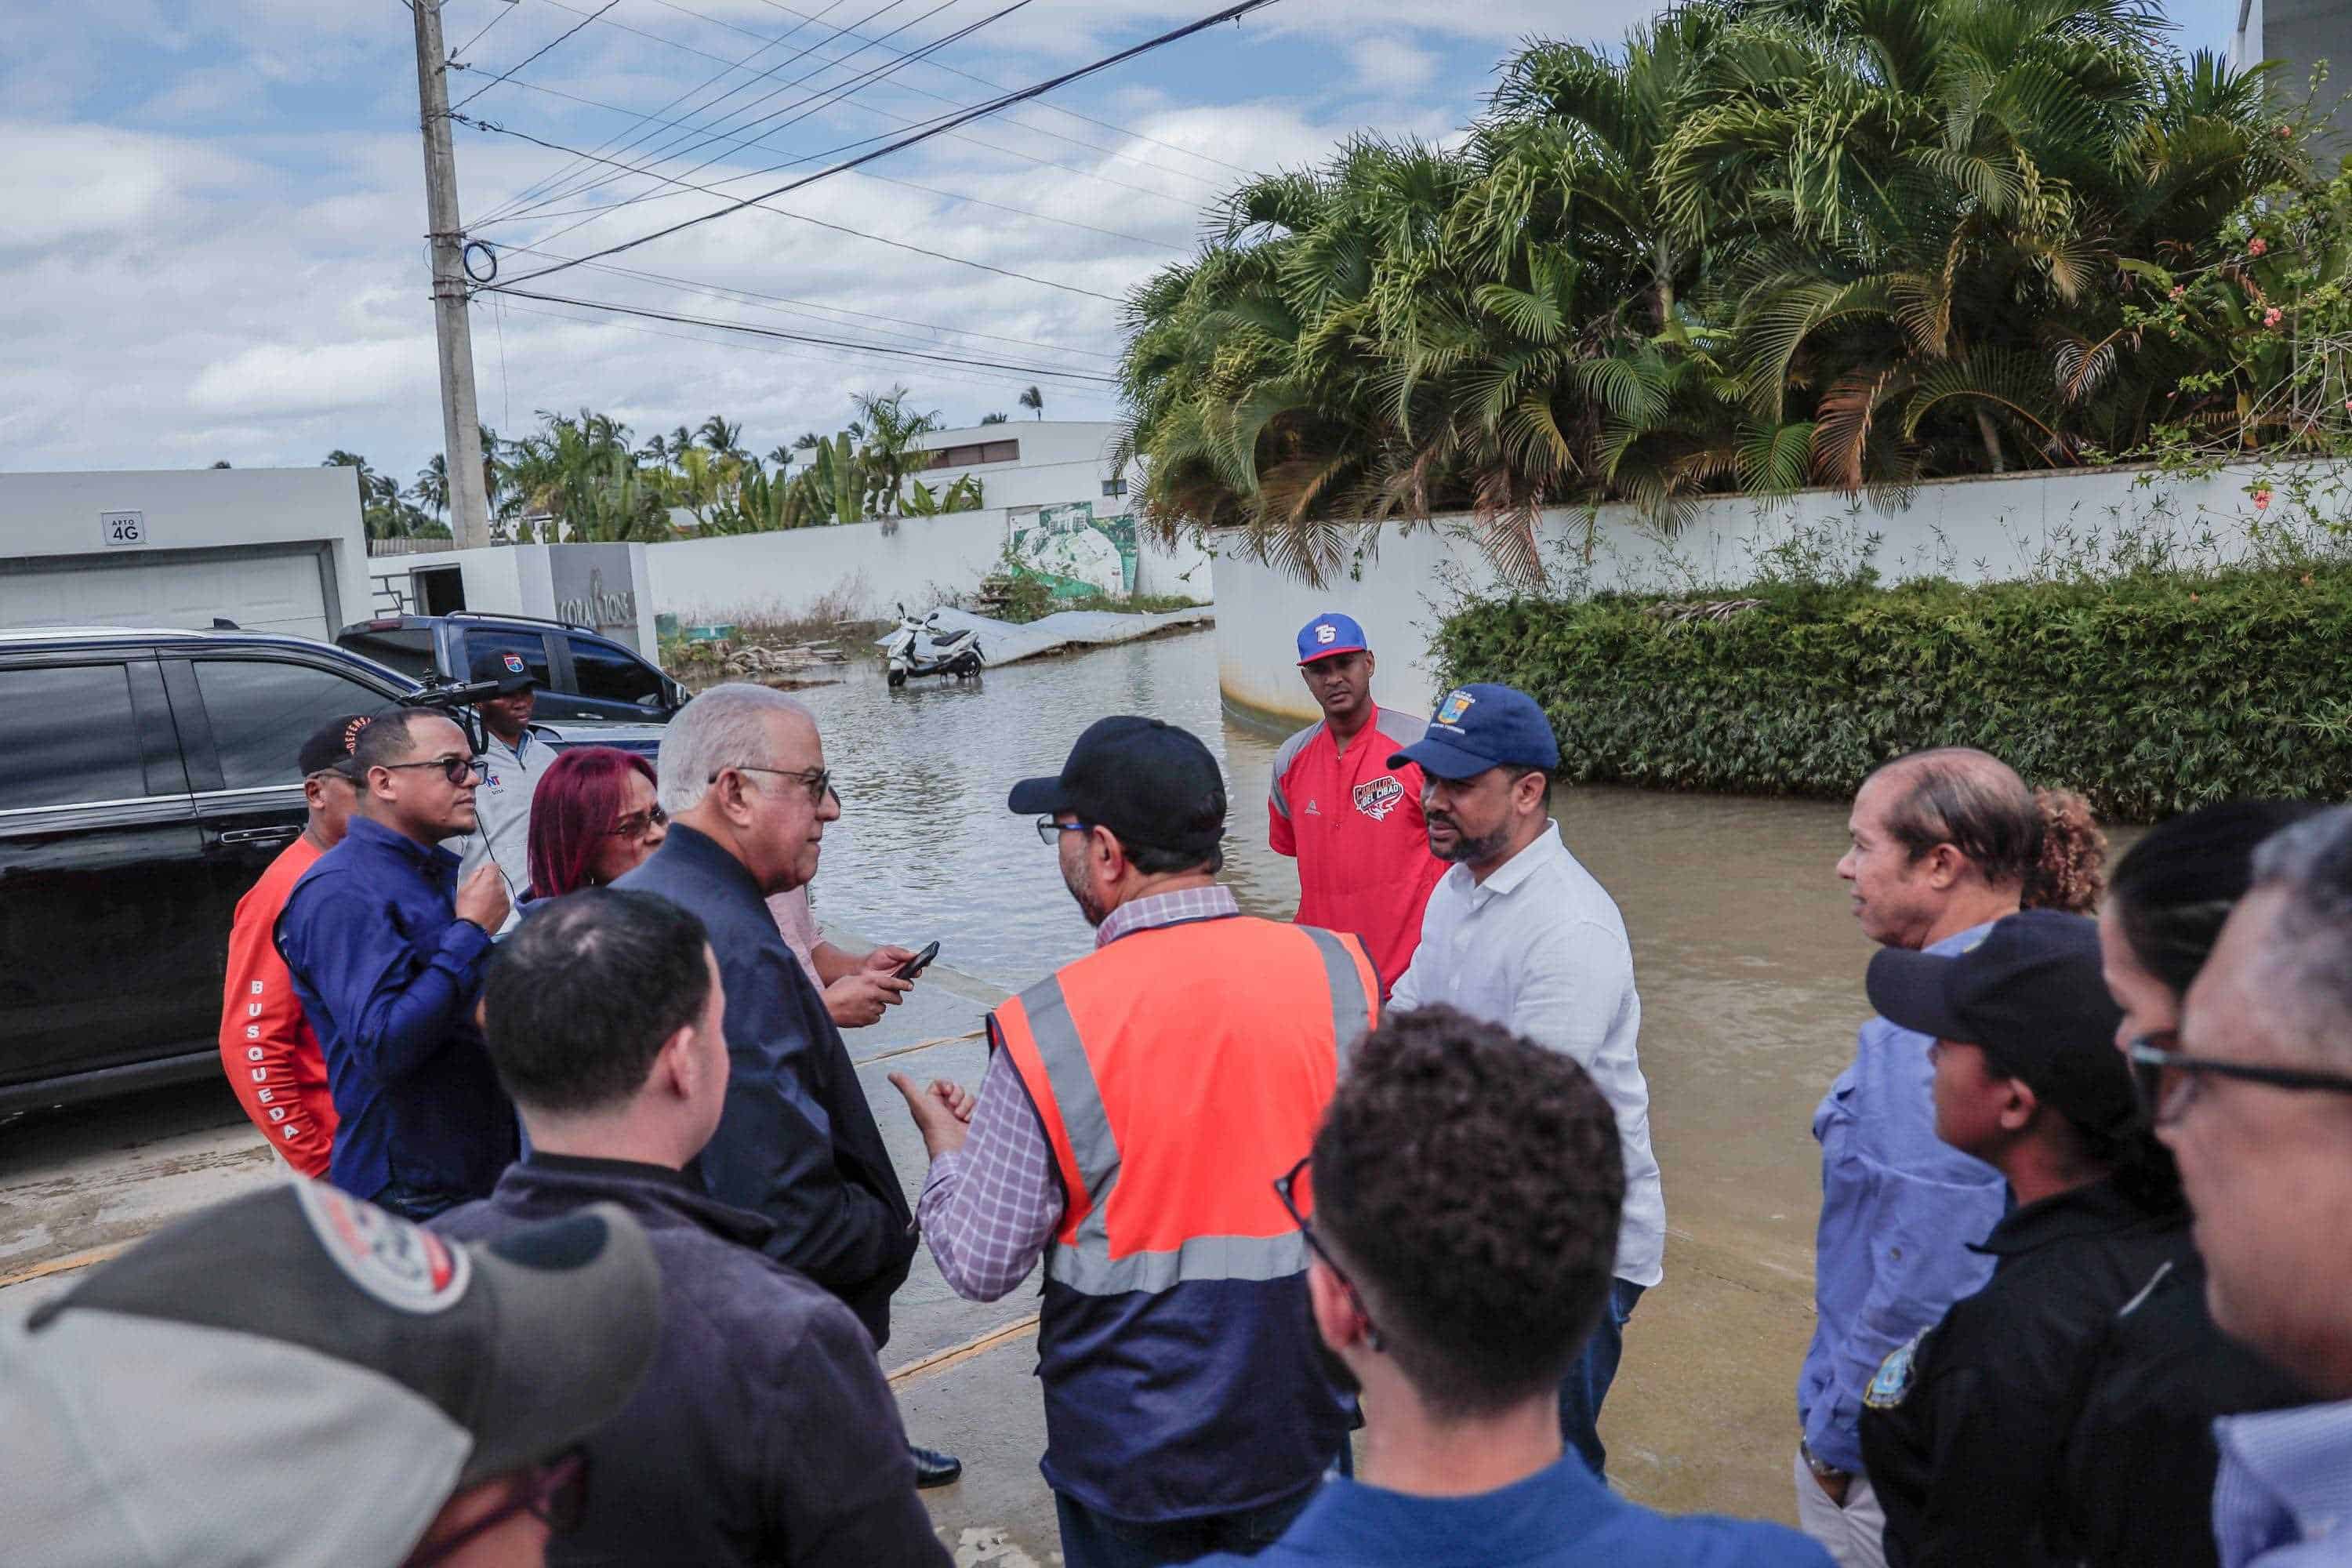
[[725, 727], [2308, 971]]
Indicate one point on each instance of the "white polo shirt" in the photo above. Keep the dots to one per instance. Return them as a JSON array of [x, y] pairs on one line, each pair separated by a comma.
[[1539, 948], [502, 800]]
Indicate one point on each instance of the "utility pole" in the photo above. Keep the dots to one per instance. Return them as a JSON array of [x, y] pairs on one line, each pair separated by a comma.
[[461, 427]]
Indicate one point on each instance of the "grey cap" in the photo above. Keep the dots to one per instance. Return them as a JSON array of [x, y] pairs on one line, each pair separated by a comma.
[[296, 1376]]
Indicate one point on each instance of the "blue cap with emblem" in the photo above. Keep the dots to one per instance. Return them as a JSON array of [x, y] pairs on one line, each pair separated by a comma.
[[1480, 727], [1329, 635]]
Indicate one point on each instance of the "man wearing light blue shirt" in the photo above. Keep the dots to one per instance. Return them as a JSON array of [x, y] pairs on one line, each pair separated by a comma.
[[1942, 845], [2254, 1099], [1517, 934]]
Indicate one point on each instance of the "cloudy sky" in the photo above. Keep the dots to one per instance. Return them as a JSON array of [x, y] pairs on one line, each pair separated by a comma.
[[212, 247]]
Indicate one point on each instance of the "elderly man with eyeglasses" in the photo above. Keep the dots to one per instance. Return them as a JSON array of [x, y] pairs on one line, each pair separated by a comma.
[[2254, 1099], [387, 944], [745, 780]]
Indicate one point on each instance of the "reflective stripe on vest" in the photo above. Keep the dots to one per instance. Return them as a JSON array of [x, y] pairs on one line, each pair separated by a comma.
[[1044, 1039]]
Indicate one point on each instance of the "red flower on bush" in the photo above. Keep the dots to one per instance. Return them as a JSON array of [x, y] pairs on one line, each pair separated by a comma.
[[2262, 500], [2258, 246], [2274, 316]]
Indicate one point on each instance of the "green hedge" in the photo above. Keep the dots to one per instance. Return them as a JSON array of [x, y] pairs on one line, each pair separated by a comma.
[[2149, 694]]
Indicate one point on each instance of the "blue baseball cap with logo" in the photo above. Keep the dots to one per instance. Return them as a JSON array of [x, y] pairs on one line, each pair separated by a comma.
[[1329, 635], [1481, 727]]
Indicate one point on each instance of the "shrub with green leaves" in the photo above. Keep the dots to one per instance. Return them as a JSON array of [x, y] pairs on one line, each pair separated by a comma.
[[2150, 694]]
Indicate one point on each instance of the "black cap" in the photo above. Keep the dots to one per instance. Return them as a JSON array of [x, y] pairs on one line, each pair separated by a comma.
[[330, 745], [2031, 997], [505, 666], [1150, 783]]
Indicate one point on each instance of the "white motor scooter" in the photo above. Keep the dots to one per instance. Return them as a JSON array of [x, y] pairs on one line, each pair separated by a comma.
[[923, 647]]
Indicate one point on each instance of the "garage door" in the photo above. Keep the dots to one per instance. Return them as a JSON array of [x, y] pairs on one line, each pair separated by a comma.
[[261, 589]]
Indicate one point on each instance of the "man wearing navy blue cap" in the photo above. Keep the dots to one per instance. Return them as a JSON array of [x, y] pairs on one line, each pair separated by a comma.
[[1349, 815], [1521, 935]]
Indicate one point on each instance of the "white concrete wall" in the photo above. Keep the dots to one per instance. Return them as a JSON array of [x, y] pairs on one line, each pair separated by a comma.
[[509, 579], [1407, 580], [56, 514], [864, 570]]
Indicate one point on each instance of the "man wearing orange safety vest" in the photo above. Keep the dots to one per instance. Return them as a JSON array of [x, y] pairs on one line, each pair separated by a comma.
[[1136, 1107]]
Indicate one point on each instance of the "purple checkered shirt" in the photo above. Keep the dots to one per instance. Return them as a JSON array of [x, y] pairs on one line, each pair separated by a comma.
[[989, 1209]]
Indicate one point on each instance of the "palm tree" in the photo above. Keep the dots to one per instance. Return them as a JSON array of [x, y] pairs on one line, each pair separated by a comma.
[[995, 418], [1033, 398], [887, 432], [431, 487], [723, 438]]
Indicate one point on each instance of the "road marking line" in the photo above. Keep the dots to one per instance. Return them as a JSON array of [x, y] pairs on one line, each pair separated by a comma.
[[939, 1361], [917, 1046], [66, 1265]]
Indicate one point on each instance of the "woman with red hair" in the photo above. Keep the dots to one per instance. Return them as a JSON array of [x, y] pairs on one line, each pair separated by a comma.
[[594, 819]]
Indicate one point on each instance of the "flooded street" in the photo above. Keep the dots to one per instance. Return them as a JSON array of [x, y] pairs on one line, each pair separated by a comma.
[[1748, 963]]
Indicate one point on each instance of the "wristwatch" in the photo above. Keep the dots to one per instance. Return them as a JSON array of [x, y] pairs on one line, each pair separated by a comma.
[[1822, 1469]]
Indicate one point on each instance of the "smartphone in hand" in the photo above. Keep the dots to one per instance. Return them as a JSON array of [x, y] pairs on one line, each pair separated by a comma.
[[917, 965]]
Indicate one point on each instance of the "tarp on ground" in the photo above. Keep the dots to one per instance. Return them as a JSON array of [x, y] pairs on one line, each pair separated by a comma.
[[1003, 642]]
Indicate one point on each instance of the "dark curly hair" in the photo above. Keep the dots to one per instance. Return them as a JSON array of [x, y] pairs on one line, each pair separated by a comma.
[[1470, 1182]]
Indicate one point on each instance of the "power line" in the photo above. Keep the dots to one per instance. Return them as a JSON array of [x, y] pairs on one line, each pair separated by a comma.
[[1230, 13], [761, 204], [507, 8], [610, 142], [818, 98], [778, 303], [851, 32], [528, 58], [1057, 109], [716, 188], [589, 186], [804, 355], [639, 311]]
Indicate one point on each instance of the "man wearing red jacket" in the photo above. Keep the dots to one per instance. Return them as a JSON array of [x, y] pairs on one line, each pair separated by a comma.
[[266, 1047], [1353, 821]]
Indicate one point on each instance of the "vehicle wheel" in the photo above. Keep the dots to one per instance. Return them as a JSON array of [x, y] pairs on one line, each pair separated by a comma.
[[898, 678]]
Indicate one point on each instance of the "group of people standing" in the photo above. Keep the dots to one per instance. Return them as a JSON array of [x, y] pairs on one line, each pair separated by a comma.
[[1384, 1169]]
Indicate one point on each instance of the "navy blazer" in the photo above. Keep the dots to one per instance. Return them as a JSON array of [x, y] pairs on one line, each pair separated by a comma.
[[797, 1143]]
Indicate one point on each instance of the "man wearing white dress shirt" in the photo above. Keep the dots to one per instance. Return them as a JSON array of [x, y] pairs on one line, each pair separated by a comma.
[[1518, 933]]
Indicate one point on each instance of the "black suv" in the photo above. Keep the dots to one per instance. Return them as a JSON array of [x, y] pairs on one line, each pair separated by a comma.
[[146, 780], [582, 674]]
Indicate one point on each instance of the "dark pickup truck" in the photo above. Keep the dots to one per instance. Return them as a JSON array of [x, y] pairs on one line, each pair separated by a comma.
[[582, 673], [146, 780]]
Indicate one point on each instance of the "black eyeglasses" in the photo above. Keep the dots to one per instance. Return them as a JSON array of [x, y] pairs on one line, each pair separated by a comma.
[[1283, 1187], [818, 780], [453, 768], [1050, 832], [637, 824], [2168, 1081], [554, 1493]]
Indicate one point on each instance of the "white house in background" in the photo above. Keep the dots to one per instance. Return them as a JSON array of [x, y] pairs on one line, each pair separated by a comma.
[[275, 550], [1024, 466], [2302, 33]]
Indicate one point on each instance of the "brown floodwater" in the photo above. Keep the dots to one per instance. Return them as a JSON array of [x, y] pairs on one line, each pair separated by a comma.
[[1749, 961]]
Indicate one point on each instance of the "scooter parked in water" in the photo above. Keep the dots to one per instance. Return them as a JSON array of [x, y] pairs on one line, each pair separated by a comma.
[[924, 647]]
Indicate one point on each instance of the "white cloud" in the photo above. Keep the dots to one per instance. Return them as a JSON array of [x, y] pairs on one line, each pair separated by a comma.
[[285, 379], [1385, 64]]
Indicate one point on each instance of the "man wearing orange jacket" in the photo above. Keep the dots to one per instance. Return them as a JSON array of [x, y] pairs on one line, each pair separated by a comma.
[[266, 1047], [1139, 1107]]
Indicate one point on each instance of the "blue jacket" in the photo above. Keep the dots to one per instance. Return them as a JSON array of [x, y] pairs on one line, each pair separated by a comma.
[[764, 1431], [797, 1143], [1560, 1517], [1902, 1212], [388, 976]]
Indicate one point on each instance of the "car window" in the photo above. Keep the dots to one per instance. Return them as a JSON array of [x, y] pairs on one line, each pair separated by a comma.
[[605, 671], [68, 736], [482, 642], [408, 650], [262, 712]]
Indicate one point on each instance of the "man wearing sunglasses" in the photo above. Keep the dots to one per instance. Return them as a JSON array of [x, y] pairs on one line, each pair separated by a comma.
[[386, 946], [2254, 1100], [1461, 1205], [749, 795]]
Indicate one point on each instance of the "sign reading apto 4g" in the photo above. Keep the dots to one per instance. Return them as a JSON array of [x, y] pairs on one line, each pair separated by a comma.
[[123, 527]]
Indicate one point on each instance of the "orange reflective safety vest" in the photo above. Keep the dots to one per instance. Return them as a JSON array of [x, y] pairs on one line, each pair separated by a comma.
[[1176, 1072]]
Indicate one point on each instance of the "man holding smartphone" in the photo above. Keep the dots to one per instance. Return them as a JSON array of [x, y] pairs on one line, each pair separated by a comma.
[[857, 987]]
